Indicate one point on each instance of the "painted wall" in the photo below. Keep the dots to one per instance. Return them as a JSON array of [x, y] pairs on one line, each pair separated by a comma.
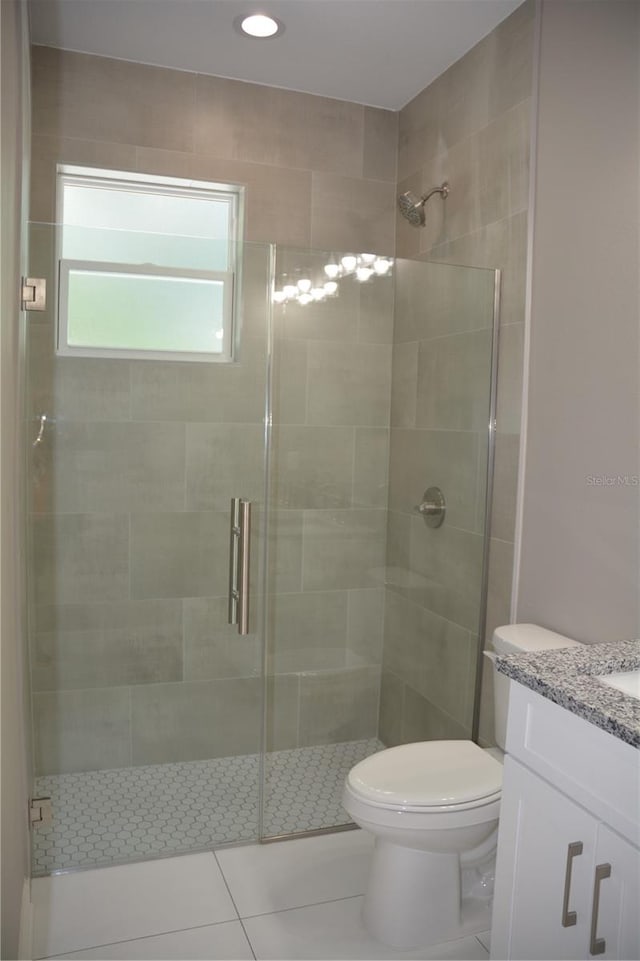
[[579, 571], [471, 127], [132, 658], [14, 140]]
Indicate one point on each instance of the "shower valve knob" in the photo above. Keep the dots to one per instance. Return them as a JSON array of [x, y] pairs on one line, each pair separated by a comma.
[[433, 507]]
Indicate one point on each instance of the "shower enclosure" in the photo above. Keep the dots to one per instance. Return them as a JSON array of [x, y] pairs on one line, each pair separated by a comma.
[[160, 729]]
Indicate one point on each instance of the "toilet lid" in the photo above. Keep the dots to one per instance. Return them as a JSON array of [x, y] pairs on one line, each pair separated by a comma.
[[427, 774]]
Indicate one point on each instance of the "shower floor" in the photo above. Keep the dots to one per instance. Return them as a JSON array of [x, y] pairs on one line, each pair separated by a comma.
[[135, 813]]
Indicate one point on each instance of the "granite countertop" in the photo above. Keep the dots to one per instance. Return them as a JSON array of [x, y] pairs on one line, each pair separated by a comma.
[[569, 677]]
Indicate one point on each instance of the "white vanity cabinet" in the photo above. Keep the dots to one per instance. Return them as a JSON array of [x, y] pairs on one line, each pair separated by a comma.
[[568, 866]]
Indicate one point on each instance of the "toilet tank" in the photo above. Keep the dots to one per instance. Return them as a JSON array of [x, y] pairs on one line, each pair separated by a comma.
[[513, 639]]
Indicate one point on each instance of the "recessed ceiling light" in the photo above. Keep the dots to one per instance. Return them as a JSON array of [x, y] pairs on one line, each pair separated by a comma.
[[258, 25]]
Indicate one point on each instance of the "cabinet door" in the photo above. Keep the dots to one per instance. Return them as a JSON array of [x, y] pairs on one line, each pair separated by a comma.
[[616, 927], [538, 886]]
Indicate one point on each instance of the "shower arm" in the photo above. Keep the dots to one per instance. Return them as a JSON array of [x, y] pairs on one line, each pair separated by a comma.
[[444, 190]]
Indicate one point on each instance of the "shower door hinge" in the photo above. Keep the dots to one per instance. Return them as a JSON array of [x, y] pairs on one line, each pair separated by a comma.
[[34, 293], [40, 811]]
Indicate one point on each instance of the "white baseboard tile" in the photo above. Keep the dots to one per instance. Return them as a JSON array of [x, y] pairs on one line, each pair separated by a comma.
[[25, 940]]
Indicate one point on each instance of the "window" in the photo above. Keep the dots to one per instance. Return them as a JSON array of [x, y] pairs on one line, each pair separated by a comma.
[[148, 265]]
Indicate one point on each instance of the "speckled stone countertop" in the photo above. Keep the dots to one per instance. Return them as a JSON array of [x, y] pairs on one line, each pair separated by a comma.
[[569, 677]]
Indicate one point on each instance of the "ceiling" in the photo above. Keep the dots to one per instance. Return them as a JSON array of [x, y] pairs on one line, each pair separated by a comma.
[[376, 52]]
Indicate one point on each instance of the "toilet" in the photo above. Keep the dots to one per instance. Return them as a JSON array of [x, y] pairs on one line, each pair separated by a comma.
[[433, 809]]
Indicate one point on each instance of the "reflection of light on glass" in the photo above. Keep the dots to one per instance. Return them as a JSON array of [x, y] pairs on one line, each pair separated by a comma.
[[331, 287], [382, 266], [279, 296], [290, 291], [318, 293], [367, 259], [304, 285], [219, 335], [349, 262], [305, 299], [363, 273], [331, 270]]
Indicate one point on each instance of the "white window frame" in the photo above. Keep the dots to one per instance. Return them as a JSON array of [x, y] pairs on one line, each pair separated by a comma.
[[233, 195]]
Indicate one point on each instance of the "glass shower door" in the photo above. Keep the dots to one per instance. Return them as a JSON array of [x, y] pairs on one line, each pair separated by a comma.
[[380, 392], [147, 703]]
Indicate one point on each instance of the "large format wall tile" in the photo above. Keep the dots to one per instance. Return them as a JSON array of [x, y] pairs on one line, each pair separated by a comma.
[[449, 562], [285, 551], [288, 378], [107, 645], [343, 549], [179, 439], [212, 647], [380, 144], [179, 555], [338, 705], [81, 730], [312, 466], [249, 122], [307, 623], [223, 461], [454, 382], [115, 468], [195, 720], [446, 459], [370, 467], [232, 393], [349, 387], [365, 624], [432, 655], [96, 98], [79, 558], [352, 213]]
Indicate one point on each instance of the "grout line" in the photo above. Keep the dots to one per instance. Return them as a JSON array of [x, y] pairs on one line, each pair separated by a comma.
[[226, 883], [143, 937], [299, 907]]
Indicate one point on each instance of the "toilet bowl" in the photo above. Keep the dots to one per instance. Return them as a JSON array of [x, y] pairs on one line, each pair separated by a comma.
[[433, 808]]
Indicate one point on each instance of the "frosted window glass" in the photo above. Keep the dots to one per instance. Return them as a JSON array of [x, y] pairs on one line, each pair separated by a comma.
[[147, 265], [126, 226], [137, 312]]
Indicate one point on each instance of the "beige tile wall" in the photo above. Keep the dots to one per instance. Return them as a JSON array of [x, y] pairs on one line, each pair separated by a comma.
[[319, 173], [331, 398], [440, 408], [470, 127], [132, 659]]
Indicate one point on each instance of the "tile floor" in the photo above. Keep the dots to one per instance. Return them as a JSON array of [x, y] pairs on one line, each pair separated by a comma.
[[107, 817], [292, 899]]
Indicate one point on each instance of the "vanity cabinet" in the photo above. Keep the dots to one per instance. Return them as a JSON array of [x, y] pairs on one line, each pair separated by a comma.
[[568, 865]]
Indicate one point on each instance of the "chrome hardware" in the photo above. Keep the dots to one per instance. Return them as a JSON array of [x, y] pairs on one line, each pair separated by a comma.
[[569, 918], [244, 559], [598, 945], [34, 293], [239, 563], [234, 538], [43, 420], [433, 507], [40, 811]]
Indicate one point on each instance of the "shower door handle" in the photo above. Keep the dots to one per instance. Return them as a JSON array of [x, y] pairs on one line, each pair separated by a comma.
[[239, 563], [244, 559], [234, 543]]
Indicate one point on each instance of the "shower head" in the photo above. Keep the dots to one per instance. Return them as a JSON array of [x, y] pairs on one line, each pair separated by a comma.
[[412, 207]]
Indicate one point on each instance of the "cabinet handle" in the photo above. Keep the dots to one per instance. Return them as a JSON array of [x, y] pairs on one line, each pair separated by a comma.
[[569, 918], [598, 945]]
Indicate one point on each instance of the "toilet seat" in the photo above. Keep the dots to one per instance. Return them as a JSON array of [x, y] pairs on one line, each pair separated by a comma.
[[428, 777]]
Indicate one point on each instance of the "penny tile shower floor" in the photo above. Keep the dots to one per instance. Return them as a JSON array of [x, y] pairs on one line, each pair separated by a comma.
[[107, 817]]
